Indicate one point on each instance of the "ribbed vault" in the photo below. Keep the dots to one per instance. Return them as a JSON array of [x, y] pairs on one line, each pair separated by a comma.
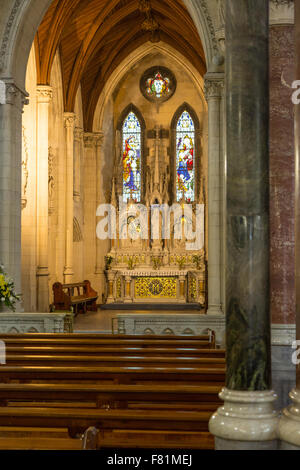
[[95, 36]]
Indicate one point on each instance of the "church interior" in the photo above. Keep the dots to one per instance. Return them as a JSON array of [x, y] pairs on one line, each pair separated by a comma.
[[149, 221]]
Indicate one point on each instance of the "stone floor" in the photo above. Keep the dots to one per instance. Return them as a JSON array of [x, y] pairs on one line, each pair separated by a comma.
[[101, 321]]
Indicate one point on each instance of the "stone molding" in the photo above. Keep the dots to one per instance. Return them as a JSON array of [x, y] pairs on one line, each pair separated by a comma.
[[16, 323], [282, 12], [6, 37]]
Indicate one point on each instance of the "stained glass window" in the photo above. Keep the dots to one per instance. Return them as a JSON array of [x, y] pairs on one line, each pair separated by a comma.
[[132, 153], [158, 86], [185, 158]]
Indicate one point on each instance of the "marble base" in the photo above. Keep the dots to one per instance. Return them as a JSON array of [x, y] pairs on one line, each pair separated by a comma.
[[226, 444], [289, 424], [177, 324], [246, 421], [16, 323]]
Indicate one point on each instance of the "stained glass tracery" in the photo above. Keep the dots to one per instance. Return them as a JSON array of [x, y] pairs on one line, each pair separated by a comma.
[[132, 152], [185, 157]]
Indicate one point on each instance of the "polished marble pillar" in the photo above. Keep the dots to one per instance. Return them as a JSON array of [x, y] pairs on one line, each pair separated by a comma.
[[247, 420], [289, 425], [44, 98]]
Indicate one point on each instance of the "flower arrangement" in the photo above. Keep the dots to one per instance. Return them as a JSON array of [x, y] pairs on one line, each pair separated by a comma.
[[108, 262], [8, 296]]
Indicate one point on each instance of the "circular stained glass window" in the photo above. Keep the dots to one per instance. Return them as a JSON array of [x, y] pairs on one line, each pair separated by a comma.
[[158, 84]]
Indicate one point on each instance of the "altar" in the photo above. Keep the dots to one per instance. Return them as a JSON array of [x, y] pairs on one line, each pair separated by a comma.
[[157, 251], [171, 286]]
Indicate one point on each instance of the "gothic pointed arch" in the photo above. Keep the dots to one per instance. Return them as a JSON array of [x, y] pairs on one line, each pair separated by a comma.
[[186, 154], [131, 129]]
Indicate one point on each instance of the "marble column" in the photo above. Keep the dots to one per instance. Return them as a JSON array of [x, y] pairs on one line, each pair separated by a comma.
[[247, 420], [289, 425], [69, 120], [44, 98], [282, 197], [12, 100], [214, 84]]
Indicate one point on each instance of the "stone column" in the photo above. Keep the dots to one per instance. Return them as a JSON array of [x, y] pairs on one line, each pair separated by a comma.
[[214, 84], [12, 100], [100, 198], [69, 119], [289, 425], [78, 151], [182, 285], [128, 296], [44, 98], [247, 420]]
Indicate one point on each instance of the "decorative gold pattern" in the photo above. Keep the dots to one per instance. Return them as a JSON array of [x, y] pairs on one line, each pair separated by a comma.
[[156, 287], [119, 288], [193, 288]]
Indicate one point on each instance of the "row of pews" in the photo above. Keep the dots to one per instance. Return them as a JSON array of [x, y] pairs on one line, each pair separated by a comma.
[[71, 391]]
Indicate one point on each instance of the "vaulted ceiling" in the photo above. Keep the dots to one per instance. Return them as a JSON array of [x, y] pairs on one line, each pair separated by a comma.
[[95, 36]]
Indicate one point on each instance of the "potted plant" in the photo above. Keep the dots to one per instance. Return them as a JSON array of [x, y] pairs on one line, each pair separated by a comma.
[[8, 296]]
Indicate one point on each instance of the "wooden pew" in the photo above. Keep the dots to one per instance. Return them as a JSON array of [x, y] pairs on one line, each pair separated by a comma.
[[78, 420], [149, 343], [76, 295], [116, 428], [114, 351], [109, 396], [111, 361], [136, 374]]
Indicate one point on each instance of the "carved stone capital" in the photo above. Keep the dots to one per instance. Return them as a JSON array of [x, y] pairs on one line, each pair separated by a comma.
[[282, 12], [11, 94], [213, 87], [93, 139], [44, 94], [69, 120], [78, 134]]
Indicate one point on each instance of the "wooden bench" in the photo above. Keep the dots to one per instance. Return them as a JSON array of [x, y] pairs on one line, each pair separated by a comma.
[[76, 351], [78, 295], [112, 342], [110, 396], [118, 375], [108, 361]]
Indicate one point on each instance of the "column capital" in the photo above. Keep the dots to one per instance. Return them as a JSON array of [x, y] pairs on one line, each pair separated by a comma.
[[213, 85], [69, 120], [44, 94], [78, 134], [11, 94], [93, 139], [282, 12]]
